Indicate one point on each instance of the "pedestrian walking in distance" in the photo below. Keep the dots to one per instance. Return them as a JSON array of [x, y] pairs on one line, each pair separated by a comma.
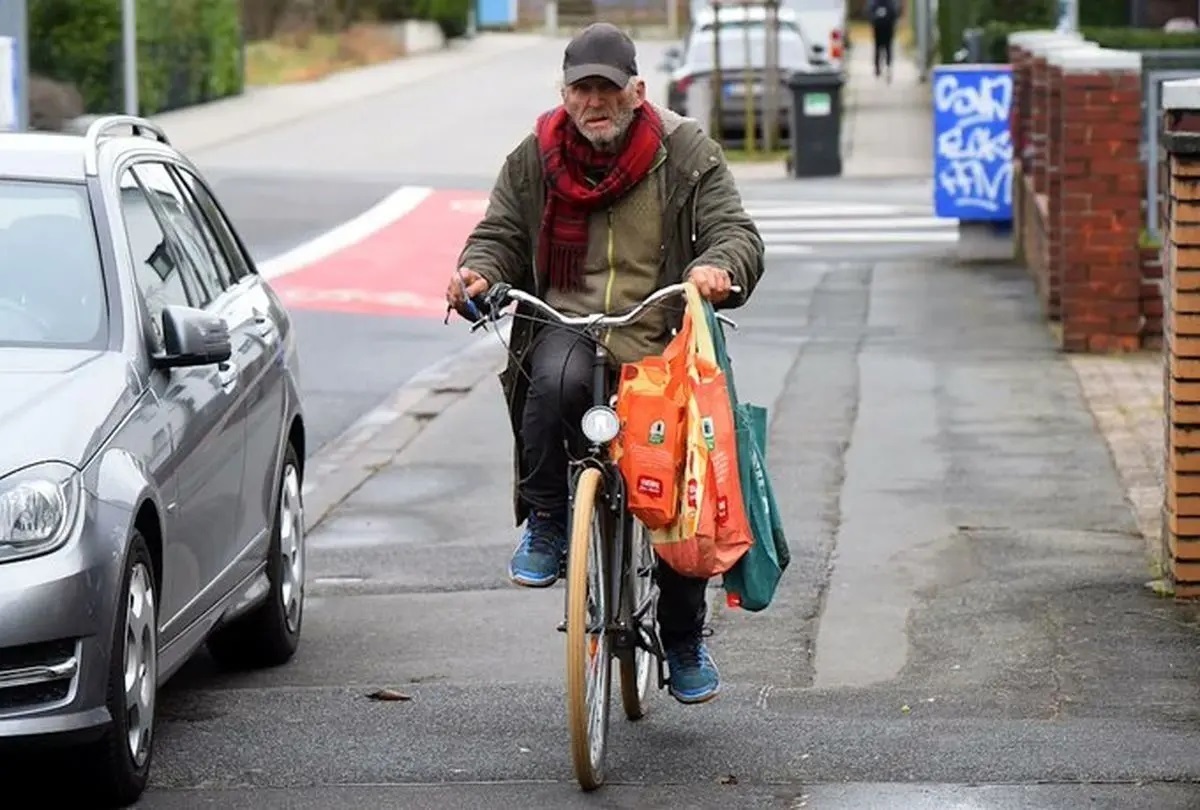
[[883, 14]]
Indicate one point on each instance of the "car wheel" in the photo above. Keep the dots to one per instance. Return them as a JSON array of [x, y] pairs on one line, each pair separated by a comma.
[[269, 635], [120, 760]]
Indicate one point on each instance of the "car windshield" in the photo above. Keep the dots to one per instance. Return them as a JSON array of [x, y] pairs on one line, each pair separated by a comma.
[[792, 52], [51, 282]]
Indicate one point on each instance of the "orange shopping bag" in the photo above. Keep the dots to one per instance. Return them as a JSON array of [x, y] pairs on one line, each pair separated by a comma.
[[712, 532], [649, 448]]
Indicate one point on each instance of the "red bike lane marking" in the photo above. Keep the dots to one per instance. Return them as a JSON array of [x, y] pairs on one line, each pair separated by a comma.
[[400, 269]]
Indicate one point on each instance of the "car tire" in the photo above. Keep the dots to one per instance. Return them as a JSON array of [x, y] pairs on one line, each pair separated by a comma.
[[118, 774], [269, 635]]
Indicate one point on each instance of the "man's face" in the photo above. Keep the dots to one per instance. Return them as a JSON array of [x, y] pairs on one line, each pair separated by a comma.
[[601, 110]]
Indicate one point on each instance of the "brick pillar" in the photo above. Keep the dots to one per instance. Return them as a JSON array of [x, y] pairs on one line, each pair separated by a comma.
[[1021, 59], [1039, 106], [1181, 327], [1051, 170], [1100, 215]]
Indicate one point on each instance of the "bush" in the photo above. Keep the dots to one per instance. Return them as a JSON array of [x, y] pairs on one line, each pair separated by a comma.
[[52, 105], [450, 15], [995, 39], [1141, 39], [189, 51], [1104, 13], [955, 16]]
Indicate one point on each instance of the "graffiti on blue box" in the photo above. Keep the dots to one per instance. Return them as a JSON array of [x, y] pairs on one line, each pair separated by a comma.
[[972, 161]]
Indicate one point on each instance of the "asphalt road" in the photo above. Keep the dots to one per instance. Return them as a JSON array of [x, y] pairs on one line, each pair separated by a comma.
[[964, 625]]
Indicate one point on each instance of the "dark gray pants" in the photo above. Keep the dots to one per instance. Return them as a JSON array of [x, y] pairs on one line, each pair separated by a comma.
[[560, 391]]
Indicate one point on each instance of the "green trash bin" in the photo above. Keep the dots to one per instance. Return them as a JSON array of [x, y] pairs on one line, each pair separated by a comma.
[[816, 130]]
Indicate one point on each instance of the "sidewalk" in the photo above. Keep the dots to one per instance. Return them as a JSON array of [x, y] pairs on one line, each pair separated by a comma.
[[967, 601], [888, 128], [262, 108]]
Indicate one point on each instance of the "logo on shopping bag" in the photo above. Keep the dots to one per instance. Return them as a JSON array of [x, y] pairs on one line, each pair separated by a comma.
[[708, 431], [658, 432], [722, 510], [650, 487], [692, 491]]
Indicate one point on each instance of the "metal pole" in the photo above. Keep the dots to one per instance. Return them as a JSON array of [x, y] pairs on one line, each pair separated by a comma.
[[129, 41], [717, 87], [922, 19], [771, 94], [14, 70], [748, 84]]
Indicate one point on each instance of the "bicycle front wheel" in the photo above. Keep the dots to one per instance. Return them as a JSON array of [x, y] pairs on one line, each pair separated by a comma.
[[589, 646], [638, 612]]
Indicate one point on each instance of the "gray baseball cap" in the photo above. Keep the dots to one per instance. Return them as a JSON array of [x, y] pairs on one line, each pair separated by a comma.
[[601, 49]]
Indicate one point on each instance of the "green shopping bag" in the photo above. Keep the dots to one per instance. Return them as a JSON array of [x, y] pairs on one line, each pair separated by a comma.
[[751, 582]]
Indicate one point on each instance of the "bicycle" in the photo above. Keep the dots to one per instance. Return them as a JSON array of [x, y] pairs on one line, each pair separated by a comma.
[[603, 537]]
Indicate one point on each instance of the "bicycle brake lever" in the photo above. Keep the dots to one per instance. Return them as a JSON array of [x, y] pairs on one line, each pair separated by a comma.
[[725, 319]]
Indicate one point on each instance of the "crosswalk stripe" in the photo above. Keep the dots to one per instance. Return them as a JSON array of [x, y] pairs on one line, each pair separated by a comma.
[[800, 228], [878, 237], [846, 224]]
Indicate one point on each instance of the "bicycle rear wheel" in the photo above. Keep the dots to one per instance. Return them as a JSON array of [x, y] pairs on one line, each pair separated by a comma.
[[589, 646], [637, 670]]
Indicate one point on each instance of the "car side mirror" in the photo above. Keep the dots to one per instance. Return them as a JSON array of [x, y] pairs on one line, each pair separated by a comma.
[[670, 59], [193, 337]]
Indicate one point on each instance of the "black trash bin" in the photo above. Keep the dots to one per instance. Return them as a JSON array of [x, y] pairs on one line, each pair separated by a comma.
[[816, 130]]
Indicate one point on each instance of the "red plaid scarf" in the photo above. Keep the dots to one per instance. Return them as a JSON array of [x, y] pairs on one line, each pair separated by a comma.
[[567, 157]]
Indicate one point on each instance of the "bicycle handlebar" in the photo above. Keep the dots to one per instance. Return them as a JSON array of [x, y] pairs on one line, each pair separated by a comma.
[[502, 293]]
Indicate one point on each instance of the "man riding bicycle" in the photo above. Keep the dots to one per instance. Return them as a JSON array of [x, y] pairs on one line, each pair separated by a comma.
[[609, 199]]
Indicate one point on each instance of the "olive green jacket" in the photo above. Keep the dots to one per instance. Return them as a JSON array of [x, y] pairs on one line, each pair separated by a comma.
[[704, 223]]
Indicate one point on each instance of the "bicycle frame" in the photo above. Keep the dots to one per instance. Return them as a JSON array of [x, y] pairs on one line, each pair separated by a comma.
[[624, 621]]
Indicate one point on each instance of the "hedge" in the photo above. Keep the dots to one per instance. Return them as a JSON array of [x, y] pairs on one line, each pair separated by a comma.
[[189, 51], [955, 16], [995, 39]]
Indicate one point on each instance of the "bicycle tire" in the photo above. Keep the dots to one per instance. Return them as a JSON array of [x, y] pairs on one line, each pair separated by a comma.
[[588, 744], [637, 671]]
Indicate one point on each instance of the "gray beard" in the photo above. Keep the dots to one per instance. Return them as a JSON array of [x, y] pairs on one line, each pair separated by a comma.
[[609, 143]]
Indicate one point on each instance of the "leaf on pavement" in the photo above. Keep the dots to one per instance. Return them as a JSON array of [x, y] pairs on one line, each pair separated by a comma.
[[388, 694], [728, 780]]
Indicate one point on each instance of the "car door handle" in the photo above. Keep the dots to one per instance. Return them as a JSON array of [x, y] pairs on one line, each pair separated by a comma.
[[266, 326], [227, 373]]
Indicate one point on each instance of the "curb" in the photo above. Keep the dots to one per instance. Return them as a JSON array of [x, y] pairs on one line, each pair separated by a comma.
[[373, 442]]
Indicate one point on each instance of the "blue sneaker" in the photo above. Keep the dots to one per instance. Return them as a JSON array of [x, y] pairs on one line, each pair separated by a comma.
[[693, 676], [538, 562]]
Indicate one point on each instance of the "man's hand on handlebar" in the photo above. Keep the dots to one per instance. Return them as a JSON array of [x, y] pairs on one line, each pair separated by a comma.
[[713, 283], [465, 284]]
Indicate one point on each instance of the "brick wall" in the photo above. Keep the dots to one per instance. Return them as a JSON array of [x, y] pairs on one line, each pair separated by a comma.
[[1077, 129], [1031, 127], [1099, 216], [1181, 253]]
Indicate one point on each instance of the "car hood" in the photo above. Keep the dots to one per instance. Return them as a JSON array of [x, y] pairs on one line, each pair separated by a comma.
[[59, 405]]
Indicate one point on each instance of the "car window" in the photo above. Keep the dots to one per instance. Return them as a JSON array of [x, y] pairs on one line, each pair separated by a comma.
[[51, 277], [216, 223], [219, 223], [793, 51], [158, 183], [155, 266], [215, 249]]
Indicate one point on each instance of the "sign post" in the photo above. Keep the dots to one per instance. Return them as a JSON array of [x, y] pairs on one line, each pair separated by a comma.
[[129, 51], [14, 66], [973, 149]]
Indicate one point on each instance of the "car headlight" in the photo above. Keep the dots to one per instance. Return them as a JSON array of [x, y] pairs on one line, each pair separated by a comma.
[[40, 507]]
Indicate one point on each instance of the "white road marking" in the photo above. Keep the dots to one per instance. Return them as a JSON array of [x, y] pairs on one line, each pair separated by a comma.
[[395, 206]]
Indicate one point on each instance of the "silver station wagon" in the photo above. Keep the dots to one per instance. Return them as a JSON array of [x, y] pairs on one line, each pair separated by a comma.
[[151, 445]]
